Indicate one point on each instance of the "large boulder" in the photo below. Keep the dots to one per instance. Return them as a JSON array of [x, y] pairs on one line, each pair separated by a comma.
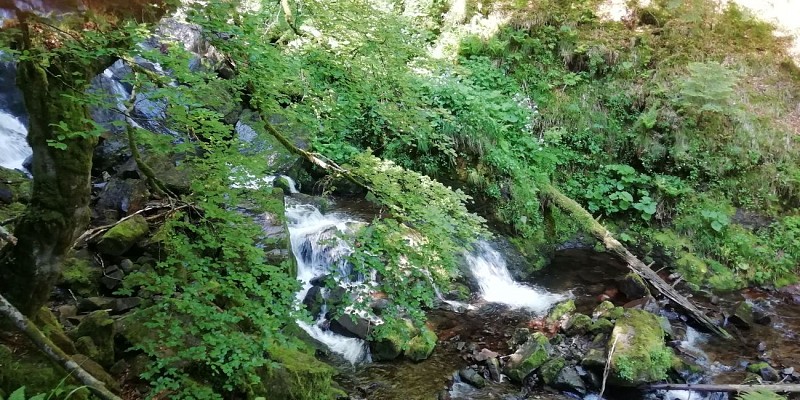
[[297, 376], [529, 357], [124, 236], [640, 355], [99, 327]]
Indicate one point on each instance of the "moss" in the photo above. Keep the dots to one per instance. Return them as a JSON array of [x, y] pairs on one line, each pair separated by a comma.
[[640, 355], [756, 368], [560, 310], [124, 235], [29, 368], [101, 329], [81, 276], [549, 370], [297, 376], [601, 325], [578, 324], [532, 354], [421, 346]]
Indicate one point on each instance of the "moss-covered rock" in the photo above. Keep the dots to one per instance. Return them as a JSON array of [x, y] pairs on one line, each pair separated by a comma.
[[49, 325], [96, 371], [17, 185], [549, 370], [124, 235], [601, 325], [421, 346], [607, 309], [81, 275], [640, 355], [633, 286], [298, 376], [560, 310], [387, 348], [531, 355], [595, 359], [100, 328], [578, 324]]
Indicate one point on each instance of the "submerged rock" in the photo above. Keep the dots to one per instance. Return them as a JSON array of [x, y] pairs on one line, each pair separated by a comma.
[[640, 355]]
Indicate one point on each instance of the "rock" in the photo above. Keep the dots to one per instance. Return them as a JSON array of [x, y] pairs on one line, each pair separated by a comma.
[[351, 326], [444, 395], [484, 355], [602, 325], [97, 371], [123, 236], [119, 368], [607, 309], [742, 315], [120, 197], [493, 365], [96, 303], [472, 377], [298, 375], [112, 278], [788, 371], [561, 310], [570, 381], [387, 348], [528, 357], [421, 346], [127, 266], [85, 345], [100, 328], [595, 359], [49, 325], [66, 311], [286, 185], [6, 194], [578, 325], [762, 318], [314, 301], [125, 304], [520, 336], [549, 370], [633, 286], [80, 274], [764, 370], [640, 355]]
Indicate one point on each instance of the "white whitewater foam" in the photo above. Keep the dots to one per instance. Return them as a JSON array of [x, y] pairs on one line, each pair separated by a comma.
[[319, 252], [489, 268], [14, 147]]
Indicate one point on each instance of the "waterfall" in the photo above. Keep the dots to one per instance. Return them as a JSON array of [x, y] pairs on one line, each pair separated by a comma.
[[489, 269], [14, 147], [319, 252]]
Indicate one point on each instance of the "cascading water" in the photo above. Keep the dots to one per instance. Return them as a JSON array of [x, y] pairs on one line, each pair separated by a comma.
[[319, 252], [490, 270], [14, 147]]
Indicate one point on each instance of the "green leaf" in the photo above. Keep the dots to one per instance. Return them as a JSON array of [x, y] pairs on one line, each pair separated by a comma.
[[18, 394]]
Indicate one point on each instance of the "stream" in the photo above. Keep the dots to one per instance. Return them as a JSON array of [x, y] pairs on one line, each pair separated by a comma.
[[500, 304]]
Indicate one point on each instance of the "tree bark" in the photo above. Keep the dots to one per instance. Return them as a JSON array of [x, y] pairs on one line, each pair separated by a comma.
[[58, 210], [602, 234], [53, 352]]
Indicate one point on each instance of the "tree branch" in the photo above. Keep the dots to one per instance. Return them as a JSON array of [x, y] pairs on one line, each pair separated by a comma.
[[53, 352], [782, 388]]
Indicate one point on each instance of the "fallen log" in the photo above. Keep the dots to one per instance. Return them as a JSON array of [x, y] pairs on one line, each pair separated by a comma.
[[588, 223], [53, 352], [780, 388]]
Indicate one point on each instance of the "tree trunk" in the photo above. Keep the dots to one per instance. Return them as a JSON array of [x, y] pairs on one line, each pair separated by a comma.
[[58, 211]]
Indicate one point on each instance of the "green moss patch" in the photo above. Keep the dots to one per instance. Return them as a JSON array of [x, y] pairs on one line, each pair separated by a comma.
[[640, 355]]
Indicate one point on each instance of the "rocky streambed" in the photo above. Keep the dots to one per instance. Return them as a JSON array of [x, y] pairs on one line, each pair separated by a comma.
[[498, 352]]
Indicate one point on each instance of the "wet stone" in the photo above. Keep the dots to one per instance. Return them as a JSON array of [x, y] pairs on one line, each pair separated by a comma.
[[472, 377]]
